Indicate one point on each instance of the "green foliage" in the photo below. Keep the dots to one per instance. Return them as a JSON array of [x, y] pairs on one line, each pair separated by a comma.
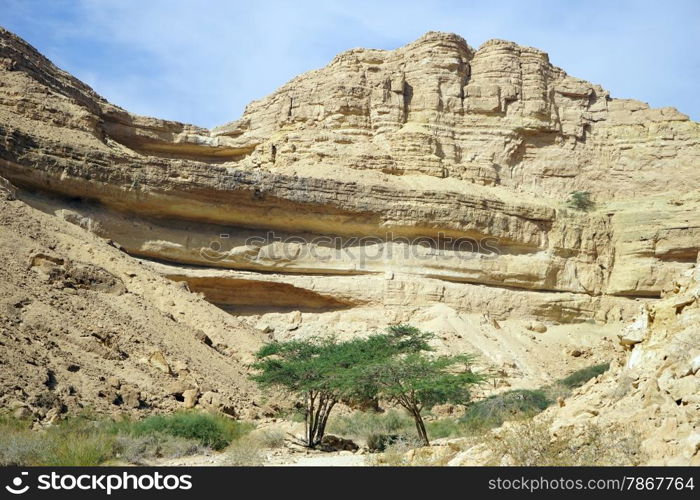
[[446, 427], [580, 200], [580, 377], [87, 450], [323, 372], [429, 380], [522, 404], [9, 423], [399, 367], [377, 430], [300, 366], [208, 429], [67, 443], [86, 440], [22, 448], [511, 405], [419, 381], [480, 416], [394, 365]]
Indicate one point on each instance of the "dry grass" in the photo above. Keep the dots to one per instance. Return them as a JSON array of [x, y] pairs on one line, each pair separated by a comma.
[[395, 454], [138, 449], [246, 452], [531, 444], [87, 440], [250, 450], [269, 438]]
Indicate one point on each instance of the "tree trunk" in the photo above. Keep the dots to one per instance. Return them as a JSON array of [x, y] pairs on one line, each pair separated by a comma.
[[318, 409], [310, 420], [420, 426], [410, 404], [324, 420]]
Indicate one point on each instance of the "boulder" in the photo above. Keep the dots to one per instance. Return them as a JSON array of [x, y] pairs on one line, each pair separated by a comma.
[[336, 443], [203, 337], [537, 326], [190, 397], [695, 365], [157, 360], [114, 382], [130, 397], [22, 413]]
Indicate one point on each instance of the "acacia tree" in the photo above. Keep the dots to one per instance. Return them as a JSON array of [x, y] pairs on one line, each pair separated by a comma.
[[302, 368], [419, 381], [323, 372]]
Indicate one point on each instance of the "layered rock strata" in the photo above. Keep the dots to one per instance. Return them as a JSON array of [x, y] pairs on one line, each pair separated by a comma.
[[445, 166]]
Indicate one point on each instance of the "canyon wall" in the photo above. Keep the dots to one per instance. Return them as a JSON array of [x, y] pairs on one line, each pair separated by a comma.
[[434, 164], [146, 260]]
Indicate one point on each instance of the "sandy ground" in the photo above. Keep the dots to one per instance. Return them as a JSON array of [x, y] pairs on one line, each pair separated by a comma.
[[329, 459], [276, 458]]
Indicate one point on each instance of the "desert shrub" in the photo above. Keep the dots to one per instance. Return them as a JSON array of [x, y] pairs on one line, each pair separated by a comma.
[[86, 450], [78, 441], [85, 440], [521, 404], [448, 427], [580, 200], [494, 410], [8, 423], [21, 448], [580, 377], [246, 452], [135, 449], [622, 387], [271, 438], [609, 446], [18, 445], [531, 444], [208, 429], [363, 426], [250, 449], [67, 443], [395, 453]]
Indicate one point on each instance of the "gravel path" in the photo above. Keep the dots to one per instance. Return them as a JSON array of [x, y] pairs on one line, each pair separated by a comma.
[[328, 460]]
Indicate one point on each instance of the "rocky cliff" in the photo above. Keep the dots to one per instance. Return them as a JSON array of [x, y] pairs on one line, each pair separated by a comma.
[[650, 397], [425, 184]]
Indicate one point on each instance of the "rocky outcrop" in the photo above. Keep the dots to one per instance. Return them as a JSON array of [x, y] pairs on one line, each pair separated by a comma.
[[84, 325], [439, 165], [650, 395], [434, 161]]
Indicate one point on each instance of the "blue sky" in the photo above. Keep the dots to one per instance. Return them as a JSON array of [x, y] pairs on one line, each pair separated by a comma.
[[202, 62]]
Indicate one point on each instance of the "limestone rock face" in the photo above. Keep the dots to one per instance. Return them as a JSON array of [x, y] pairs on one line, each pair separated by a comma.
[[655, 388], [428, 183], [650, 397], [434, 161], [84, 324]]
